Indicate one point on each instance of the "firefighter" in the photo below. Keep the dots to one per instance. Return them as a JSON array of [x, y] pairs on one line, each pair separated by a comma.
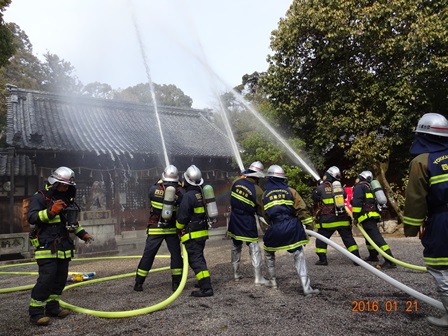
[[246, 202], [48, 216], [192, 226], [366, 212], [162, 228], [330, 218], [286, 213], [426, 207]]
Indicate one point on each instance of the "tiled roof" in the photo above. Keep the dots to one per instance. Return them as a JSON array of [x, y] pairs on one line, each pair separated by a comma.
[[22, 165], [45, 121]]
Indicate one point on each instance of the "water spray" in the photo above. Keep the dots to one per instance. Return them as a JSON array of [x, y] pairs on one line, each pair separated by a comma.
[[151, 86]]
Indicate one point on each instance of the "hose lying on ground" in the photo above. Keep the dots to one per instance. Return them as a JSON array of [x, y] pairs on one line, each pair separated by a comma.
[[378, 273]]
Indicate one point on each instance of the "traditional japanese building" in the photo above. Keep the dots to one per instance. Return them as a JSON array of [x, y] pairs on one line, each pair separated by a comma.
[[115, 149]]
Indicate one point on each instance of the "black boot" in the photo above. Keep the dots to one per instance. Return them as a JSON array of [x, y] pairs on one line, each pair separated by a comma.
[[174, 285], [356, 253], [388, 264], [373, 256], [322, 260], [202, 292], [138, 287]]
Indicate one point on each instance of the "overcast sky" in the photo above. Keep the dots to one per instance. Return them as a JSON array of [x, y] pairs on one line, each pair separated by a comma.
[[203, 47]]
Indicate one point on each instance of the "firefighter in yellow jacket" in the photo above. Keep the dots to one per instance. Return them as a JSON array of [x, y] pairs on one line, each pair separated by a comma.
[[53, 215], [426, 207]]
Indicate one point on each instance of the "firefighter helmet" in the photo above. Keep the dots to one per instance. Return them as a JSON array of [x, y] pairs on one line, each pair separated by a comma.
[[255, 170], [62, 175], [276, 171], [334, 172], [193, 176], [433, 123], [366, 175], [170, 174]]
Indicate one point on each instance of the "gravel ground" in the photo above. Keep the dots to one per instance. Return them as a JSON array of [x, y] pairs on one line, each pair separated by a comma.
[[239, 308]]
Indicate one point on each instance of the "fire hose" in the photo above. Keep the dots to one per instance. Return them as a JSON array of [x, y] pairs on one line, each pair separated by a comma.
[[385, 277]]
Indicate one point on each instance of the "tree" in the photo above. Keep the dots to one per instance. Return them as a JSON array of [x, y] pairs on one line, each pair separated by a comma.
[[59, 75], [168, 95], [7, 48], [98, 90], [353, 79]]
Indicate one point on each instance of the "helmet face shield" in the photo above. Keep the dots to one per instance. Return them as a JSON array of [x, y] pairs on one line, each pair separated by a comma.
[[434, 124], [170, 174], [276, 171], [62, 175], [193, 176]]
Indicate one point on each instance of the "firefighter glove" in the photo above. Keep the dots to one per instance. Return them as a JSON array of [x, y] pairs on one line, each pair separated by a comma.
[[57, 207], [87, 238]]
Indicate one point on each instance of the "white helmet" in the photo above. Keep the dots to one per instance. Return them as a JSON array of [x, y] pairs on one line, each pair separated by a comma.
[[334, 172], [255, 170], [170, 174], [193, 176], [62, 175], [276, 171], [367, 175], [433, 123]]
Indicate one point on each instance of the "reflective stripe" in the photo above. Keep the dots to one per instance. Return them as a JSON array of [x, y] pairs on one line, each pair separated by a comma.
[[203, 274], [37, 303], [199, 210], [352, 248], [43, 216], [328, 201], [176, 271], [413, 221], [278, 202], [356, 209], [53, 297], [307, 221], [242, 199], [321, 250], [142, 273], [242, 238], [442, 261], [194, 235], [156, 205], [438, 179], [161, 231], [45, 254], [333, 224], [370, 195], [179, 226], [371, 214], [287, 247]]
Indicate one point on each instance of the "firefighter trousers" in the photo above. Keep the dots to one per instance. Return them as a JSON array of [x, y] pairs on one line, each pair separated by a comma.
[[152, 246], [347, 238], [50, 283], [196, 260], [370, 225]]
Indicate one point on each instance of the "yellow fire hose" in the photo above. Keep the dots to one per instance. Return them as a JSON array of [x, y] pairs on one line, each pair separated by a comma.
[[111, 314], [379, 250]]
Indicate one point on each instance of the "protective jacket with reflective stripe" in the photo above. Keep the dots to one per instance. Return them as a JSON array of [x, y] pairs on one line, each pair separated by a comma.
[[54, 240], [191, 215], [327, 217], [246, 201], [156, 196], [363, 202], [426, 204]]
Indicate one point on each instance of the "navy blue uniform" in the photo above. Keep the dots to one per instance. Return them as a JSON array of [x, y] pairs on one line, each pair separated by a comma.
[[159, 230]]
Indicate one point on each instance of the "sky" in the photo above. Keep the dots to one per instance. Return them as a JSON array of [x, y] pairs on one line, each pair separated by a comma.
[[204, 47]]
